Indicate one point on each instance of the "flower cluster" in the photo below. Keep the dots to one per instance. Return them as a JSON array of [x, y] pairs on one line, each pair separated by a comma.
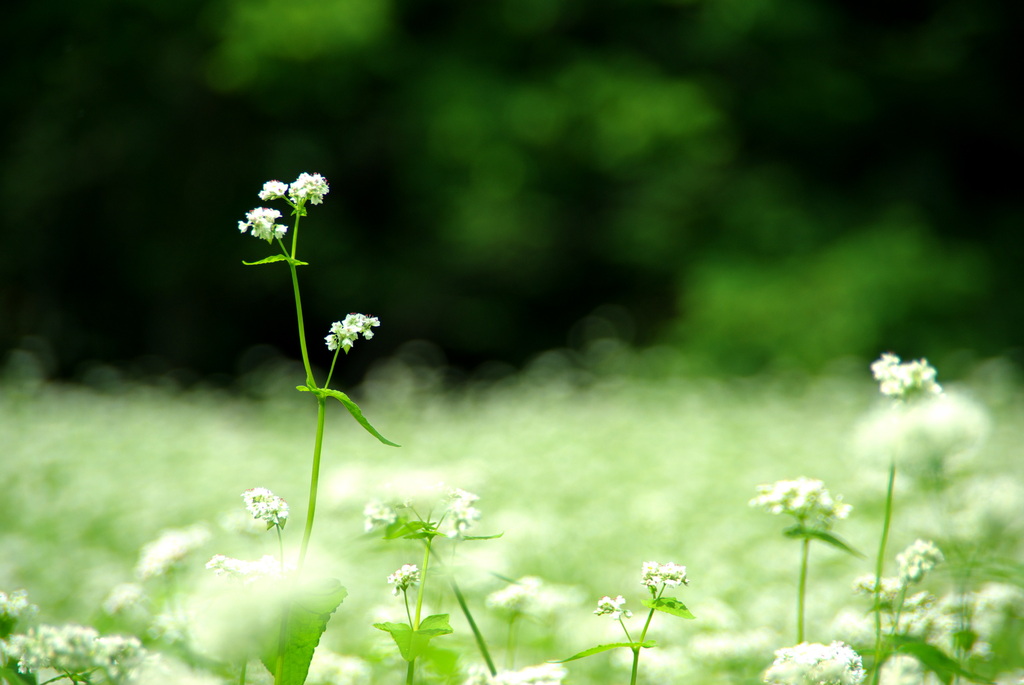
[[261, 221], [613, 608], [461, 512], [306, 188], [14, 607], [124, 598], [73, 649], [169, 550], [519, 597], [905, 381], [543, 674], [805, 498], [816, 664], [917, 560], [654, 575], [267, 567], [404, 577], [264, 505], [376, 513], [345, 333]]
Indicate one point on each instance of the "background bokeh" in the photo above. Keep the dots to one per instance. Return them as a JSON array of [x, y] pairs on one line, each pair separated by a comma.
[[751, 182]]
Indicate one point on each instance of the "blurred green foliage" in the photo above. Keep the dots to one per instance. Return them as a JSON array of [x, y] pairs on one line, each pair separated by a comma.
[[751, 180]]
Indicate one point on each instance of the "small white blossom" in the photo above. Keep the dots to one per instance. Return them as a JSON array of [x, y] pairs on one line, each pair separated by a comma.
[[461, 512], [516, 598], [173, 626], [888, 591], [169, 551], [308, 187], [14, 607], [376, 513], [917, 560], [542, 674], [329, 668], [273, 190], [816, 664], [404, 577], [805, 498], [345, 333], [613, 608], [653, 574], [73, 649], [264, 505], [267, 567], [123, 598], [905, 381], [261, 222]]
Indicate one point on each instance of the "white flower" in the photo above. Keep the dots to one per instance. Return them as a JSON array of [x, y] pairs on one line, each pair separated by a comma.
[[543, 674], [461, 512], [816, 664], [404, 577], [653, 574], [376, 513], [264, 505], [805, 498], [13, 608], [273, 190], [267, 567], [917, 560], [612, 608], [344, 333], [169, 550], [308, 187], [261, 222], [124, 597], [74, 649], [888, 591], [329, 668], [516, 598], [905, 381]]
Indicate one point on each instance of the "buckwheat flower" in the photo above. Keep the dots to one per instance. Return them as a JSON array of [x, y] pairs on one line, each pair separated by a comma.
[[14, 607], [613, 608], [816, 664], [169, 551], [805, 498], [261, 222], [330, 668], [124, 598], [273, 190], [917, 560], [264, 505], [905, 381], [345, 333], [654, 575], [516, 598], [308, 188], [404, 577], [461, 512], [73, 649], [888, 591], [247, 572], [376, 513]]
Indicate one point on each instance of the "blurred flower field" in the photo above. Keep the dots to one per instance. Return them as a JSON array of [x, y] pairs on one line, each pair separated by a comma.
[[586, 475]]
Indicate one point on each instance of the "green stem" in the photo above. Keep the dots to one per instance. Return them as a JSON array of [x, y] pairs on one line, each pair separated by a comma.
[[314, 479], [310, 383], [477, 635], [423, 584], [879, 563], [241, 678], [409, 672], [801, 597], [510, 644], [330, 373]]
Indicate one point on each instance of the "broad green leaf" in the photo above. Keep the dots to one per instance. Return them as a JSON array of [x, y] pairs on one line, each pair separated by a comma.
[[353, 409], [828, 538], [938, 662], [646, 644], [308, 614], [670, 605], [277, 258], [413, 643]]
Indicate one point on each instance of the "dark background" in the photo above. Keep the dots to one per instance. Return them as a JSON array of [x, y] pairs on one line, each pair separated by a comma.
[[750, 182]]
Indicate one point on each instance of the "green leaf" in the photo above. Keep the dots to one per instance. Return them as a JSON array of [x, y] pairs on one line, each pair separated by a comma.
[[277, 258], [308, 613], [670, 605], [828, 538], [482, 537], [938, 662], [353, 409], [646, 644], [413, 643]]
